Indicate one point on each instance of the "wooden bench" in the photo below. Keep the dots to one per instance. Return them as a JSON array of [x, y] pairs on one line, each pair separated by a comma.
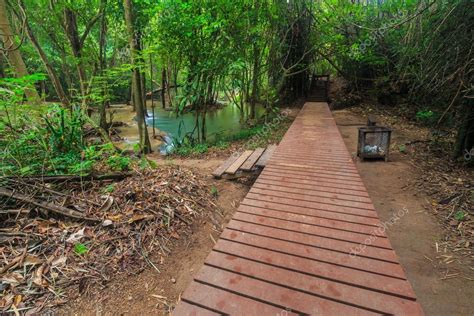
[[241, 164]]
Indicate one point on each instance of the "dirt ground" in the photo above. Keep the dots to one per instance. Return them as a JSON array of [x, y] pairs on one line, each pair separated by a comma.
[[413, 237], [156, 293]]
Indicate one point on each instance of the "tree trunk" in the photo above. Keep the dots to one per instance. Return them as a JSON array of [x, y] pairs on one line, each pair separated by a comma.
[[70, 24], [169, 75], [12, 51], [163, 87], [143, 86], [256, 66], [76, 42], [136, 82], [102, 61], [47, 65], [465, 138], [152, 96]]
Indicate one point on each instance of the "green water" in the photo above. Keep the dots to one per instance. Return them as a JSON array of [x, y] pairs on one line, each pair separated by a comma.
[[222, 122]]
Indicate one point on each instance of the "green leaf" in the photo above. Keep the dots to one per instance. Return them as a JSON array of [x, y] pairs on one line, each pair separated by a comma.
[[460, 216], [80, 249]]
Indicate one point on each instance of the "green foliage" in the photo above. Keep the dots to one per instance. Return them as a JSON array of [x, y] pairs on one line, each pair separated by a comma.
[[47, 139], [80, 249], [214, 191], [188, 149], [109, 188], [222, 144], [244, 51], [64, 129], [402, 148], [427, 117], [460, 216], [243, 134], [118, 163]]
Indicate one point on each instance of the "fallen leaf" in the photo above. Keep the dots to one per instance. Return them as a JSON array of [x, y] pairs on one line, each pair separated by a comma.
[[139, 217], [38, 276], [31, 260], [17, 300], [12, 278], [59, 261], [109, 201]]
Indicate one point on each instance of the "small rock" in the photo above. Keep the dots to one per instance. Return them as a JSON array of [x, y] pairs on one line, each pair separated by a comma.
[[173, 280], [129, 298], [107, 222]]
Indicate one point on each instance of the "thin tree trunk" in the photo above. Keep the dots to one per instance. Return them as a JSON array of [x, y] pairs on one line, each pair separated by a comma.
[[253, 98], [70, 24], [163, 87], [12, 51], [137, 89], [169, 75], [143, 87], [152, 95], [77, 41], [102, 61]]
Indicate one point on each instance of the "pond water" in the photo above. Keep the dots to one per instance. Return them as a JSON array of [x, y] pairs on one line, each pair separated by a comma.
[[223, 121]]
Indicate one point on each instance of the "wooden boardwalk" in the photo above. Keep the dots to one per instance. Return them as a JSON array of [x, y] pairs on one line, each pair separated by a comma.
[[305, 240]]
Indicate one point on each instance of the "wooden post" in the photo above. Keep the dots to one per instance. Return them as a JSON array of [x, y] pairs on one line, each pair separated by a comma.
[[328, 85]]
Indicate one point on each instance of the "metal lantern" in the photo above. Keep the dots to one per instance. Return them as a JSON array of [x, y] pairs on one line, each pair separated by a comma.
[[374, 142]]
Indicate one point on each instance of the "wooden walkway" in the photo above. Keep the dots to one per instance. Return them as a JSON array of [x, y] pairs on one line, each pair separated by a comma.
[[291, 246]]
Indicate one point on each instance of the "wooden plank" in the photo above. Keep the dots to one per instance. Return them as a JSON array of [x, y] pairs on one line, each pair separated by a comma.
[[327, 271], [336, 191], [250, 162], [312, 205], [298, 165], [310, 172], [295, 209], [331, 193], [222, 168], [312, 197], [224, 302], [266, 156], [320, 183], [307, 174], [237, 163], [314, 178], [330, 162], [298, 302], [313, 220], [311, 190], [363, 298], [324, 232], [315, 241], [343, 259]]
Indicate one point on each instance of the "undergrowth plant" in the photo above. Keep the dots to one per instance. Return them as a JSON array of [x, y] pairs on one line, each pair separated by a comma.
[[48, 138]]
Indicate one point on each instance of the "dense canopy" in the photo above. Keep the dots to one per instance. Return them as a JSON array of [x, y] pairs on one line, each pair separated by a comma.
[[65, 62]]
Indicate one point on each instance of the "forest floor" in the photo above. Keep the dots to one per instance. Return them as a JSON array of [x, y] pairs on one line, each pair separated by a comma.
[[434, 251]]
